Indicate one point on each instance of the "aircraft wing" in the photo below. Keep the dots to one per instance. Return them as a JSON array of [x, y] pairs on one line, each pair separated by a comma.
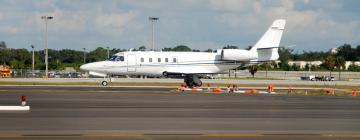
[[182, 72]]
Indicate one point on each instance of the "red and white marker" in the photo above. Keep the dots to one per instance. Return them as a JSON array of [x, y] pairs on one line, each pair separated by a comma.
[[23, 106], [23, 100]]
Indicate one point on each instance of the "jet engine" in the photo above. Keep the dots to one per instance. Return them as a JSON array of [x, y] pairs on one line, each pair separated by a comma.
[[238, 55]]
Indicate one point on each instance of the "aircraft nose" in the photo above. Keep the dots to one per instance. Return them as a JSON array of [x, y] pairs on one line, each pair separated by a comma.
[[85, 67], [95, 66]]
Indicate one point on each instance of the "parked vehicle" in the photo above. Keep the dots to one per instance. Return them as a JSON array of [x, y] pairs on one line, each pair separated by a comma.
[[5, 71], [309, 77], [317, 78]]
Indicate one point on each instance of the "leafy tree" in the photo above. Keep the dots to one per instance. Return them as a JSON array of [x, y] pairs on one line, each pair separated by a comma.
[[114, 51], [315, 68], [354, 68], [167, 49], [15, 64], [347, 52], [265, 66], [230, 47], [339, 63], [329, 63], [181, 48], [3, 45], [285, 54], [142, 48], [294, 67], [253, 69], [208, 50], [99, 54], [309, 56]]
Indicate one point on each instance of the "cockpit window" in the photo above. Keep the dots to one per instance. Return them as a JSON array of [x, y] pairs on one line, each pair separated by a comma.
[[116, 58], [112, 58]]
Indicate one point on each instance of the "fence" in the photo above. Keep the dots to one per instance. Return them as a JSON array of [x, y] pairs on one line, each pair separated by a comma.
[[291, 74], [23, 73]]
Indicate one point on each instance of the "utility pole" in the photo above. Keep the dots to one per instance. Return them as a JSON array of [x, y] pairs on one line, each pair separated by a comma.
[[108, 53], [46, 19], [84, 55], [33, 55], [153, 19]]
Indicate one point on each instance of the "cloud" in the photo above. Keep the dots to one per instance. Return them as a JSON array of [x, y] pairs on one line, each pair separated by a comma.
[[113, 23], [78, 22], [302, 25], [64, 21], [229, 5], [9, 29], [200, 23]]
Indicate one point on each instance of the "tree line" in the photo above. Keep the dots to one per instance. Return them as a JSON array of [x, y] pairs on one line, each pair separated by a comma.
[[59, 59]]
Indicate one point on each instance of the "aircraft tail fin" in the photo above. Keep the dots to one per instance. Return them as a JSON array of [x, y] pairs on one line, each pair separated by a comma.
[[268, 45]]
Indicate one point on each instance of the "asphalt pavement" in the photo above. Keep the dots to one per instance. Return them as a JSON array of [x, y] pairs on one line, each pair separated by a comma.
[[168, 80], [157, 113]]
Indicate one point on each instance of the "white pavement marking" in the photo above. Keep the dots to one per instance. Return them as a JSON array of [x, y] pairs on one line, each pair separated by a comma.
[[14, 108]]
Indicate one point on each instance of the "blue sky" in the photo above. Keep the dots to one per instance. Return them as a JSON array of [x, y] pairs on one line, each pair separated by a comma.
[[312, 25]]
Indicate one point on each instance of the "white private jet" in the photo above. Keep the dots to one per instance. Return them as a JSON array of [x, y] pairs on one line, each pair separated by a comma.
[[189, 65]]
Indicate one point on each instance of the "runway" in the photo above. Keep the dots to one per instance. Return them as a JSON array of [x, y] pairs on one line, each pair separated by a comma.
[[157, 113], [56, 81]]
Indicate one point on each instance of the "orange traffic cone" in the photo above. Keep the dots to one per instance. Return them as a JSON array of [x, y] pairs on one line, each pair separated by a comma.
[[353, 93]]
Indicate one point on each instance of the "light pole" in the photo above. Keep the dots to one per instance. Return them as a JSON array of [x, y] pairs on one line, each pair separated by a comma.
[[153, 19], [108, 53], [33, 61], [84, 55], [46, 19]]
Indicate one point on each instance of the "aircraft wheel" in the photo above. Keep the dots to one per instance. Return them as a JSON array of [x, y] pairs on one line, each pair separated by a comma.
[[164, 73], [196, 81], [189, 82], [104, 83], [198, 84]]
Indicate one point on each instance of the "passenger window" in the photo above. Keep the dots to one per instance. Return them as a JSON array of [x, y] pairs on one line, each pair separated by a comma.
[[174, 60], [166, 59], [150, 59], [142, 59], [159, 59]]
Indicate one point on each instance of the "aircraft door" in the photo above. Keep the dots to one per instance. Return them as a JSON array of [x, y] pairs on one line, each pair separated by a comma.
[[131, 63]]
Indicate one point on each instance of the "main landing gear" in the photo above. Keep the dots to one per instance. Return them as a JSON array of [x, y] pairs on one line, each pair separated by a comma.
[[192, 81]]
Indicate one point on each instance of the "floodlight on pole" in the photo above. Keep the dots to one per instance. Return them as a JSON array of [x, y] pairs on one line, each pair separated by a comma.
[[153, 19], [33, 55], [108, 53], [46, 19], [84, 55]]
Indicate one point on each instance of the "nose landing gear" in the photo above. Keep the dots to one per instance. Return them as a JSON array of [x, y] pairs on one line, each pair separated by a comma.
[[104, 83]]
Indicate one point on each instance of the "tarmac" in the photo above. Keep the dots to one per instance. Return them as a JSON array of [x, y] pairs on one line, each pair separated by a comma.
[[167, 80], [158, 113]]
